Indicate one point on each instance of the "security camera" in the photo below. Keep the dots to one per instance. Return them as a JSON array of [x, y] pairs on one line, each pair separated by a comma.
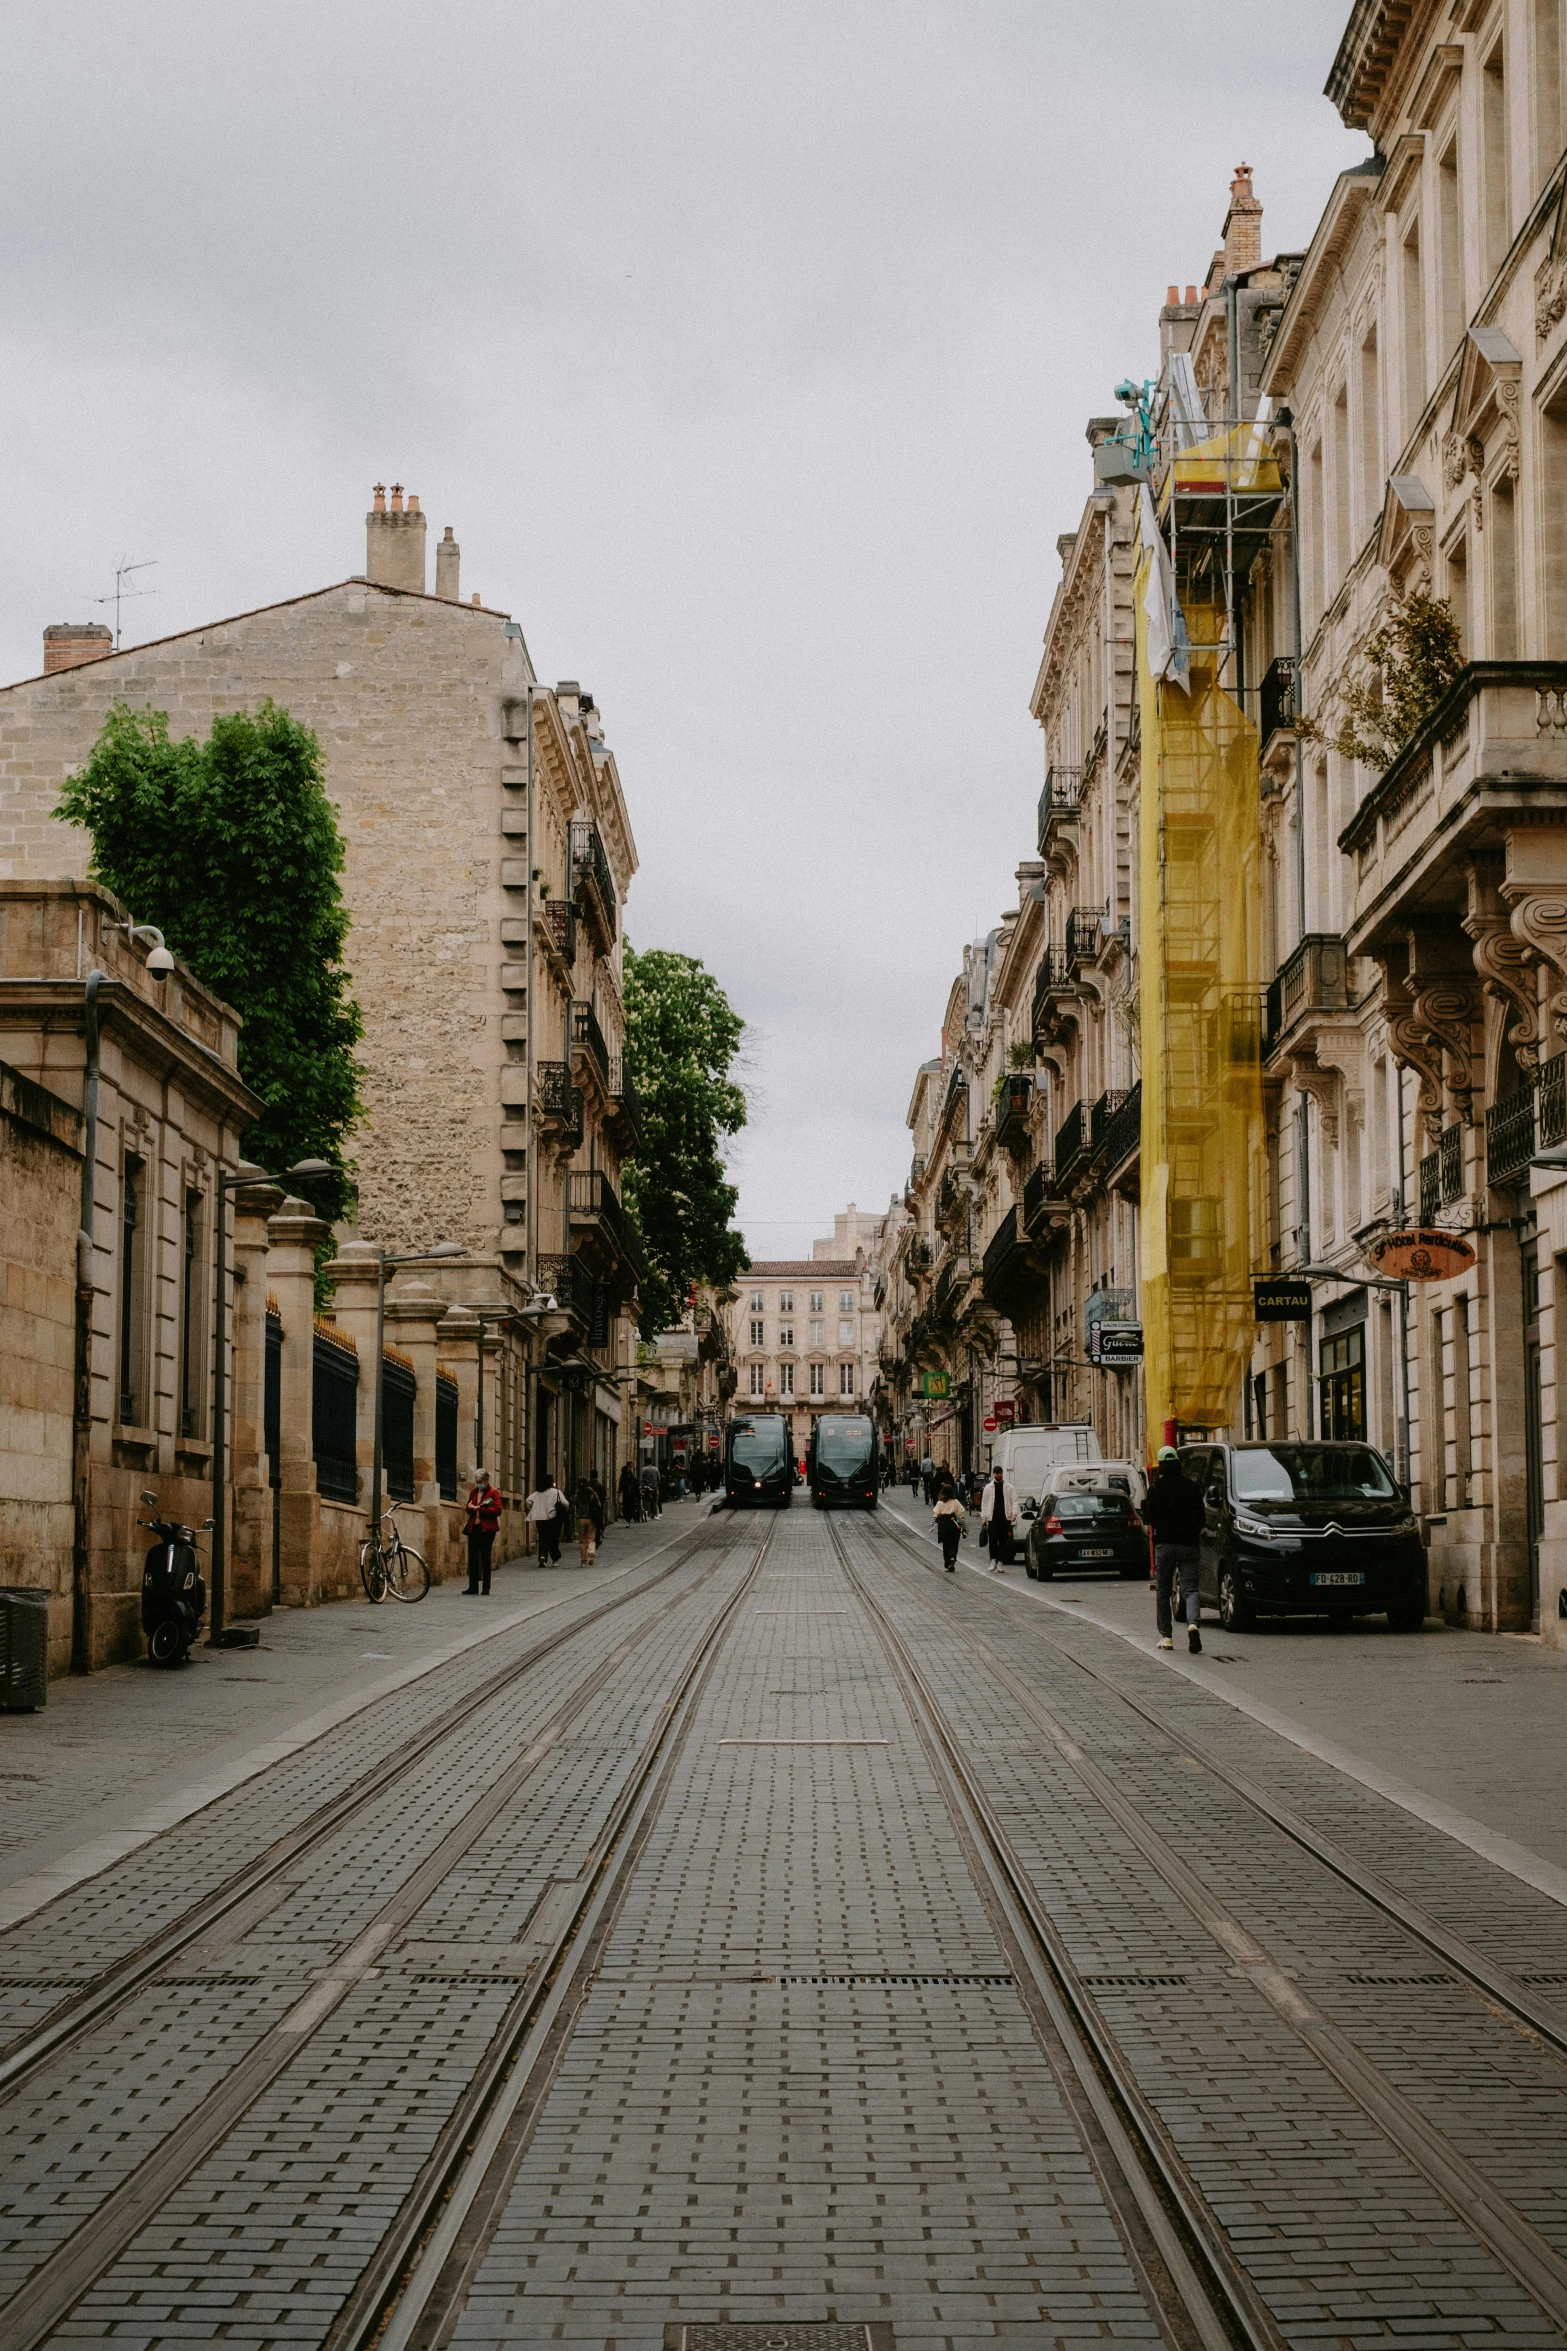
[[159, 963]]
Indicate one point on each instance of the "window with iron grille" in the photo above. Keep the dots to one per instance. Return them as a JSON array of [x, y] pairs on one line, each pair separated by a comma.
[[446, 1436], [334, 1418], [397, 1429]]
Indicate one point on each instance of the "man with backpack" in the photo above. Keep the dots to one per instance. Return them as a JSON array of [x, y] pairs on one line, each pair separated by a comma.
[[1174, 1512]]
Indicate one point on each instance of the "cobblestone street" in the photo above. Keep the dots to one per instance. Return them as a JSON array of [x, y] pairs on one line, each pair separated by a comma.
[[767, 1931]]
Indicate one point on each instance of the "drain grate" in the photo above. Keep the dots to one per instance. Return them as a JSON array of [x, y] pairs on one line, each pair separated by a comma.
[[884, 1979], [825, 2335], [1399, 1979], [1131, 1983], [1558, 1976]]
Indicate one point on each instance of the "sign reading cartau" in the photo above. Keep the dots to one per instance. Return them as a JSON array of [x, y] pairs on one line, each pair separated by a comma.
[[1280, 1298]]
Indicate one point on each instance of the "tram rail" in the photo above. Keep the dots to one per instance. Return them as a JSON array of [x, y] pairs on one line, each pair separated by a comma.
[[58, 2284], [1489, 2216]]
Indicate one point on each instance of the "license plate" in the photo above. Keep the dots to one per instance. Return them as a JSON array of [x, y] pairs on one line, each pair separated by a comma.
[[1339, 1576], [1095, 1554]]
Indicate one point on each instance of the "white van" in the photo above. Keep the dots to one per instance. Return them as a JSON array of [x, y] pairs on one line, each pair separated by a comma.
[[1122, 1477], [1025, 1456]]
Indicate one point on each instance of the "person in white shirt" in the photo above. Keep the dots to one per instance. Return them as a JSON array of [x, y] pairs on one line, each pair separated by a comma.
[[998, 1514], [545, 1511]]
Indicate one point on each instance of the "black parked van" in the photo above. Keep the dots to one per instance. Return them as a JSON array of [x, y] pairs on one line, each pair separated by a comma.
[[1310, 1529]]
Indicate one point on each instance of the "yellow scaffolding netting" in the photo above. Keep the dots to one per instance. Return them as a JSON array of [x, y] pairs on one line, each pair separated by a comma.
[[1201, 1019]]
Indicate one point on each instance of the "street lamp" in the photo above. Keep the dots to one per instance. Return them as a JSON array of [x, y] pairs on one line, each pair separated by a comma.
[[442, 1252], [242, 1178]]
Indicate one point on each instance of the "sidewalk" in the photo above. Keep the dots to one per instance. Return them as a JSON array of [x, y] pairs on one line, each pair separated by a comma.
[[116, 1756], [1467, 1731]]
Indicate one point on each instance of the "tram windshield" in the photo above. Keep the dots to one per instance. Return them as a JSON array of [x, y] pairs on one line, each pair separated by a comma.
[[843, 1443], [759, 1445]]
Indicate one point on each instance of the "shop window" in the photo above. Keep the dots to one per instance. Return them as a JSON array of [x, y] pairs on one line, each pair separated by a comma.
[[1342, 1384]]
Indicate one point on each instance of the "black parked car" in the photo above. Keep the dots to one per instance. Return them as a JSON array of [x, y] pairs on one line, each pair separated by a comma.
[[1306, 1529], [1097, 1532]]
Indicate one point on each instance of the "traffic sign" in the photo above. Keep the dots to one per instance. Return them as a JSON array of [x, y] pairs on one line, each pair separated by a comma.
[[990, 1424], [647, 1428]]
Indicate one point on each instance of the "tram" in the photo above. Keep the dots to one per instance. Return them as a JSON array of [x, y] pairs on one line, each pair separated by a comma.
[[759, 1460], [841, 1463]]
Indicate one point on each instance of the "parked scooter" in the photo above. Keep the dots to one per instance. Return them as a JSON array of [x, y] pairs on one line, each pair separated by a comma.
[[173, 1589]]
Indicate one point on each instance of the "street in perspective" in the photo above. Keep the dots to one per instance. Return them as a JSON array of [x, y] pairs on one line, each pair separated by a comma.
[[599, 1743]]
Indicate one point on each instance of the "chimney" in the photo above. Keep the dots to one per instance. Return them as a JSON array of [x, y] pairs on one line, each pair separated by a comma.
[[68, 643], [1242, 226], [394, 541], [447, 557]]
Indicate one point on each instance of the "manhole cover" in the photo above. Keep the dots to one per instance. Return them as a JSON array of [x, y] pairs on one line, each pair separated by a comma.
[[826, 2335]]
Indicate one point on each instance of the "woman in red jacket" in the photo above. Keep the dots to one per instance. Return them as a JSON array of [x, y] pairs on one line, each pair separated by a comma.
[[484, 1516]]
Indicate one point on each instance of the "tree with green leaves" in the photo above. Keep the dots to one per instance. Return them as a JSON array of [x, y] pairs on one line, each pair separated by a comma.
[[1413, 659], [231, 847], [682, 1036]]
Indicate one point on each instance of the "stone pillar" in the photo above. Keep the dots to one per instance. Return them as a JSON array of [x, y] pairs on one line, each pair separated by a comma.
[[354, 1272], [294, 1234], [250, 1550], [412, 1312]]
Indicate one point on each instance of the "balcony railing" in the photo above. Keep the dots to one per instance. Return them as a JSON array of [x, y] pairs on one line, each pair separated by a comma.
[[560, 924], [919, 1258], [595, 885], [950, 1196], [1005, 1260], [956, 1105], [594, 1202], [571, 1285], [1061, 797], [1051, 979], [585, 1031], [627, 1101], [1315, 979], [1072, 1144], [559, 1101], [1103, 1116], [1278, 696], [1122, 1129], [1038, 1192], [1013, 1104], [1530, 1120], [1442, 1174], [1084, 938]]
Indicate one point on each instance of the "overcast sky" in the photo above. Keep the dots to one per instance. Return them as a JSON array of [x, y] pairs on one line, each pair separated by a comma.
[[749, 352]]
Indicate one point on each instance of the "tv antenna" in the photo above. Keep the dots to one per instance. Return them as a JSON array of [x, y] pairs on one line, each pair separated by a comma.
[[121, 593]]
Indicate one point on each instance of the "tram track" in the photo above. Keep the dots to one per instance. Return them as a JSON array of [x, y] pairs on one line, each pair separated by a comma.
[[1489, 2216], [99, 1996], [60, 2282]]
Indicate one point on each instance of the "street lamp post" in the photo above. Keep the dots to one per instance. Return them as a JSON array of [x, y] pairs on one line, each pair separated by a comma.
[[439, 1255], [242, 1178]]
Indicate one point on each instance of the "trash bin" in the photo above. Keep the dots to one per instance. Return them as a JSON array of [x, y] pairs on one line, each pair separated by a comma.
[[24, 1648]]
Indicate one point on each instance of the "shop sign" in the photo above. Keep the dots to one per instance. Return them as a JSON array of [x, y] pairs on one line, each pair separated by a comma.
[[936, 1383], [1005, 1410], [1424, 1253], [1115, 1342], [1276, 1299]]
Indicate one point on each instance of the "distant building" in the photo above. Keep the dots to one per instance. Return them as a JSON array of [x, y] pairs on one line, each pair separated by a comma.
[[803, 1332]]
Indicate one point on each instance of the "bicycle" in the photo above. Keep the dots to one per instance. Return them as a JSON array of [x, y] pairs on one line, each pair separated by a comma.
[[388, 1565]]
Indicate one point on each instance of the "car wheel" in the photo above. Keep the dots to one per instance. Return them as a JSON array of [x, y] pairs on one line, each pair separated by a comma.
[[1234, 1613], [1044, 1574], [1407, 1616]]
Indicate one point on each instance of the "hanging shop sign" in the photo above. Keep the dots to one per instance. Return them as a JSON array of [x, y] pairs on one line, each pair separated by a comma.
[[1277, 1299], [936, 1383], [1115, 1342], [1425, 1253], [1005, 1410]]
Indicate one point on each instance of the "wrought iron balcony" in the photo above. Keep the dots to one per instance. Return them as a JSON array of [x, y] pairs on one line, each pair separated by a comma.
[[1101, 1119], [1037, 1194], [571, 1285], [1532, 1119], [1118, 1130], [1061, 798], [627, 1102], [558, 1101], [595, 1204], [593, 881], [950, 1197], [1315, 979], [1006, 1265], [558, 920], [1013, 1104], [585, 1031], [920, 1254], [1051, 979], [1085, 933], [1072, 1144], [955, 1107], [1277, 696], [1442, 1174]]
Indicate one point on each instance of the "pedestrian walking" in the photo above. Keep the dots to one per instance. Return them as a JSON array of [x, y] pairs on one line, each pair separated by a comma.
[[630, 1496], [1174, 1510], [483, 1517], [951, 1517], [544, 1511], [998, 1519], [652, 1500], [928, 1477], [588, 1509]]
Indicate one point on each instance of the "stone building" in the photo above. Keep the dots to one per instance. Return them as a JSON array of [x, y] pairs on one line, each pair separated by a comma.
[[1415, 1027], [488, 854], [803, 1332]]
